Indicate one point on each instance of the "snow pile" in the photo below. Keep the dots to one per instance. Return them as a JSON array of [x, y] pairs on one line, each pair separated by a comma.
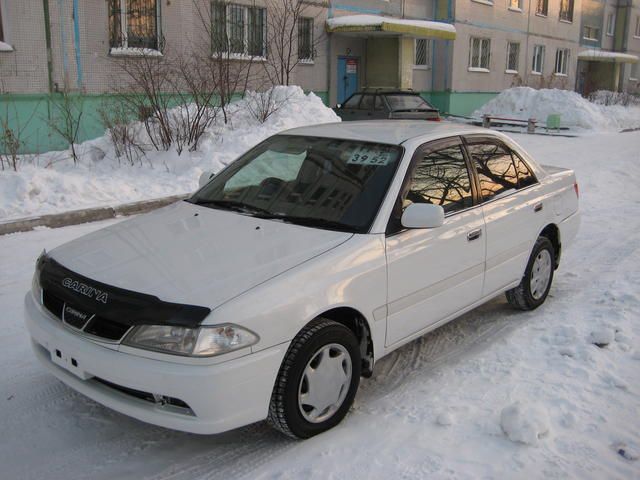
[[51, 183], [524, 423], [575, 111]]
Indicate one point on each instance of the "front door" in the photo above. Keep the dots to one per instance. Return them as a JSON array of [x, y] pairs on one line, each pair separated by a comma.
[[348, 70], [434, 273]]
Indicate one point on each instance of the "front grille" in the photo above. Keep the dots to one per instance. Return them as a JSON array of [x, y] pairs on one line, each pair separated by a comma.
[[97, 326], [158, 400]]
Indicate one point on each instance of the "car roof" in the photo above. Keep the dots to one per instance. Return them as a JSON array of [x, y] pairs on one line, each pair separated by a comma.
[[386, 91], [393, 132]]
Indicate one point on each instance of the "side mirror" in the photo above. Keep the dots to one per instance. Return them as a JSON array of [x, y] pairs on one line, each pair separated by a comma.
[[422, 215], [205, 178], [338, 106]]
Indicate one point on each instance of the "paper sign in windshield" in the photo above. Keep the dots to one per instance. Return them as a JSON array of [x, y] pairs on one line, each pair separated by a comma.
[[365, 155]]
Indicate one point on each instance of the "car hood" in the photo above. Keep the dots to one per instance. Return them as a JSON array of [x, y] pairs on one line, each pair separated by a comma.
[[191, 254]]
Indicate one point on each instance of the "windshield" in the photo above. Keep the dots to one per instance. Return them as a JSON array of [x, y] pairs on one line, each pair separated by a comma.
[[321, 182], [407, 102]]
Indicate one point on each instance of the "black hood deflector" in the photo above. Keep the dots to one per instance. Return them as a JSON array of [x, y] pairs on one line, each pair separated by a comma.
[[113, 303]]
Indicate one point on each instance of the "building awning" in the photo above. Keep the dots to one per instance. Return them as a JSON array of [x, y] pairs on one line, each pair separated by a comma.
[[376, 24], [594, 55]]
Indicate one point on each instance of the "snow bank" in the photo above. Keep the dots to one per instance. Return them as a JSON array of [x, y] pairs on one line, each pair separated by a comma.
[[575, 111], [51, 183], [524, 423]]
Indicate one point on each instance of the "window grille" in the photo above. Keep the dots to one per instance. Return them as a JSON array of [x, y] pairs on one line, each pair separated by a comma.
[[238, 29], [133, 24], [305, 39], [480, 53], [422, 52], [513, 55]]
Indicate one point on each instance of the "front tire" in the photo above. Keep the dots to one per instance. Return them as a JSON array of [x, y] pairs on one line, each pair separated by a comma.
[[536, 281], [317, 381]]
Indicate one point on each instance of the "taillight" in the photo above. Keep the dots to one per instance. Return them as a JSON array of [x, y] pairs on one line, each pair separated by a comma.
[[434, 119], [577, 190]]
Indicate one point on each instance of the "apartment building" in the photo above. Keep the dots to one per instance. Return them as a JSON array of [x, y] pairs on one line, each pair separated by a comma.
[[457, 53]]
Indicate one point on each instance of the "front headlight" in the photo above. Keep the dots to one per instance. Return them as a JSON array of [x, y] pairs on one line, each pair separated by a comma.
[[36, 289], [205, 341]]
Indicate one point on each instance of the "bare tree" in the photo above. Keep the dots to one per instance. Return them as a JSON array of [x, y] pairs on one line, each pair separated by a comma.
[[121, 130], [67, 117], [291, 36]]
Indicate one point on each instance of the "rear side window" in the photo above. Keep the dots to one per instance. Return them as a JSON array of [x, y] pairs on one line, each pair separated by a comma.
[[441, 177], [496, 170], [367, 102], [525, 175], [379, 103], [353, 101]]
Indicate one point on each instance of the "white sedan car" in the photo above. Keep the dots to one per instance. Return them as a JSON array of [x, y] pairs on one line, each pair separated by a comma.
[[279, 284]]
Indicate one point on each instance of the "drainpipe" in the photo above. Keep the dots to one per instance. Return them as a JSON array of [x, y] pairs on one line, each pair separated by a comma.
[[63, 41], [47, 38], [526, 46], [76, 43]]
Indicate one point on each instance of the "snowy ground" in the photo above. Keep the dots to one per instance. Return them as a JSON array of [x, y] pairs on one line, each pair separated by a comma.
[[437, 408]]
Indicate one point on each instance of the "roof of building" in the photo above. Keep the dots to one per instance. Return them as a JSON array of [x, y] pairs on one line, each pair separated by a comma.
[[377, 23], [385, 131]]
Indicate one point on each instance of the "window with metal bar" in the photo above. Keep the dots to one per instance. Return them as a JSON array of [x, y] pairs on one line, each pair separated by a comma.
[[305, 39], [562, 61], [422, 48], [479, 53], [238, 30], [566, 10], [538, 59], [513, 56], [134, 24], [542, 8]]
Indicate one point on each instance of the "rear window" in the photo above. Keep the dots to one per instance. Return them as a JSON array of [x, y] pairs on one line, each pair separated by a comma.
[[407, 102], [353, 101]]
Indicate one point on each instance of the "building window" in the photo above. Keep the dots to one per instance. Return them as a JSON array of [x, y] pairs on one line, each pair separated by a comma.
[[134, 24], [637, 32], [305, 39], [479, 53], [611, 24], [1, 29], [591, 33], [542, 7], [562, 61], [238, 30], [422, 57], [633, 76], [566, 10], [513, 55], [538, 59], [515, 4]]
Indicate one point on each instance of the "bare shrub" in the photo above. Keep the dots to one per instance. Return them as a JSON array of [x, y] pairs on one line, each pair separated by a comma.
[[66, 118], [261, 105], [122, 132], [607, 97]]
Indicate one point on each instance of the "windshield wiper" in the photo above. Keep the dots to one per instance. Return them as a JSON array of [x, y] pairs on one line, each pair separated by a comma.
[[234, 205], [314, 222]]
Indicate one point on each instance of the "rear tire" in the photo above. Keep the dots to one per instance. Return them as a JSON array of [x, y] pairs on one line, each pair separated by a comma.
[[330, 351], [538, 276]]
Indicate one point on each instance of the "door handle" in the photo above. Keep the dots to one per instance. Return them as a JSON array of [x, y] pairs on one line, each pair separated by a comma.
[[537, 207], [474, 234]]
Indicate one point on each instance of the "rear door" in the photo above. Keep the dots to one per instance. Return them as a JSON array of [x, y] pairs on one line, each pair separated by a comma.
[[434, 273], [512, 202]]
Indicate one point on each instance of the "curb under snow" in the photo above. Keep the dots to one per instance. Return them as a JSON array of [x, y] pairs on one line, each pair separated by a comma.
[[85, 215]]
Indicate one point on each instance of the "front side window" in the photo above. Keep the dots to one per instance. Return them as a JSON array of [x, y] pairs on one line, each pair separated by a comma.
[[312, 181], [562, 61], [238, 29], [305, 39], [134, 24], [353, 101], [513, 55], [479, 53], [496, 170], [538, 59], [542, 7], [611, 24], [566, 10], [367, 102], [422, 47], [441, 178]]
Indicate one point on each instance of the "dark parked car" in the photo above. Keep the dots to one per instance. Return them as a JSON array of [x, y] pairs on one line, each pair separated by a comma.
[[387, 104]]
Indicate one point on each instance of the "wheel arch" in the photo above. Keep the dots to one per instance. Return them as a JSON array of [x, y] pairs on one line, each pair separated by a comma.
[[355, 321], [552, 232]]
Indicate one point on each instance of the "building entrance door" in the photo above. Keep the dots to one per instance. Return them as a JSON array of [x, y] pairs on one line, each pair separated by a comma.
[[348, 71]]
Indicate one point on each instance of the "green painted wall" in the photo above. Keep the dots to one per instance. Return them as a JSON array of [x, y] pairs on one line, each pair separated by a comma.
[[458, 103], [32, 116]]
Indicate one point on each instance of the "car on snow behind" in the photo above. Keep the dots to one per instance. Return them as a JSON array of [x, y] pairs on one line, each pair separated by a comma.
[[283, 280], [384, 104]]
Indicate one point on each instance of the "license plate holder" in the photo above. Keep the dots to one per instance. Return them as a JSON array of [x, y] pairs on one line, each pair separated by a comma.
[[69, 362]]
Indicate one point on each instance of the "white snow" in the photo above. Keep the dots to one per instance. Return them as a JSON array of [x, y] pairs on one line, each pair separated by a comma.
[[607, 56], [472, 368], [134, 52], [51, 183], [574, 110], [5, 47], [524, 423], [602, 336], [377, 21]]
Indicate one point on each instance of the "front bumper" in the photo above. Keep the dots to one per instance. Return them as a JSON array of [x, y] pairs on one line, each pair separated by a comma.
[[220, 397]]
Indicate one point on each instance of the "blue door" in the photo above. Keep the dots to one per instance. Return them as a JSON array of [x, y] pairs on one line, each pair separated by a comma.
[[347, 77]]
